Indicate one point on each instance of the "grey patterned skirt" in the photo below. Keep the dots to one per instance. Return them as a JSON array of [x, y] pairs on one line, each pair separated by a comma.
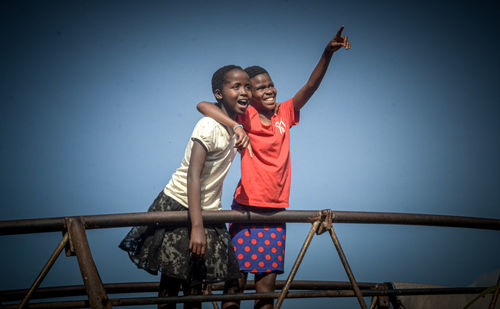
[[166, 249]]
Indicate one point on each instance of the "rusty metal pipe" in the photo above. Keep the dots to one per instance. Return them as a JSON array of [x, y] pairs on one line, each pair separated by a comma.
[[252, 296], [131, 219], [141, 287], [44, 271], [98, 298], [415, 219]]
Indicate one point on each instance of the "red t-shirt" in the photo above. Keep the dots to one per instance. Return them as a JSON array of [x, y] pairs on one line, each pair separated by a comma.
[[265, 178]]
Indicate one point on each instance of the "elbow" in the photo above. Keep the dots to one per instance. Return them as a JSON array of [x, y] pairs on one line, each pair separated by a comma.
[[200, 107], [193, 178], [311, 87], [190, 177], [309, 90]]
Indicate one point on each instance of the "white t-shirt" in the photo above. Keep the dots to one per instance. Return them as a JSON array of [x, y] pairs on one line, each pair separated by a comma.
[[220, 154]]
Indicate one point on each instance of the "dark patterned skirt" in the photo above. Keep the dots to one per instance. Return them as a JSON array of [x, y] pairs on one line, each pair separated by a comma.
[[166, 249]]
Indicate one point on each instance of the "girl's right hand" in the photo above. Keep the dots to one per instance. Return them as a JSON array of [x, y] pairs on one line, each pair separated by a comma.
[[338, 41], [242, 140], [198, 241]]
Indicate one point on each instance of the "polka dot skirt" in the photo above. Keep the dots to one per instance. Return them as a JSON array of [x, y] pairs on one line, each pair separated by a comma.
[[259, 248]]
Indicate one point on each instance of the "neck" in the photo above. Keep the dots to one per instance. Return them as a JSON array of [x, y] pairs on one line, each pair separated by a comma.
[[230, 113], [266, 114]]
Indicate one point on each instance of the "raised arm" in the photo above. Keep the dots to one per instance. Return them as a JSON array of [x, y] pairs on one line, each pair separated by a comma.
[[305, 93], [198, 240], [212, 111]]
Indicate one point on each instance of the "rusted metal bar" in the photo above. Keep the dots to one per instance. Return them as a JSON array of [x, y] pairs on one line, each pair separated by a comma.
[[494, 298], [44, 271], [162, 218], [251, 296], [141, 287], [98, 298], [296, 265], [347, 268], [415, 219]]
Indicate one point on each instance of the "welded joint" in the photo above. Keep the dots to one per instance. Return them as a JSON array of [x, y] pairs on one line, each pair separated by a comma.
[[69, 249], [383, 302], [326, 219]]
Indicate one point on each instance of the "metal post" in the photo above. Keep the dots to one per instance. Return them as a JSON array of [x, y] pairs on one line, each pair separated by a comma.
[[296, 265], [347, 268], [495, 295], [44, 271], [98, 298]]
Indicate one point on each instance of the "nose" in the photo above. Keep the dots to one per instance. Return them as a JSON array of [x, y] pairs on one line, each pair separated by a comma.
[[244, 91]]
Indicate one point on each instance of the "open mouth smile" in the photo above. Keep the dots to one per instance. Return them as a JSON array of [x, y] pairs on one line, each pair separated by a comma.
[[243, 102]]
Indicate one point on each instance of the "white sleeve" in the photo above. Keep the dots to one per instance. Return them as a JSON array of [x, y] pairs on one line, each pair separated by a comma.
[[204, 133]]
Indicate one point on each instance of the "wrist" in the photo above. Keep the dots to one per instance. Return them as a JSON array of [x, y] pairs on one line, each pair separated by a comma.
[[236, 127], [197, 226]]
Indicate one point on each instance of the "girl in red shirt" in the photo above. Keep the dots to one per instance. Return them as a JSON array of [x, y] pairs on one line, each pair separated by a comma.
[[265, 170]]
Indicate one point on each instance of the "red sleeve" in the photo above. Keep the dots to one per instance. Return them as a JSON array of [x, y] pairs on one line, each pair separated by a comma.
[[286, 110]]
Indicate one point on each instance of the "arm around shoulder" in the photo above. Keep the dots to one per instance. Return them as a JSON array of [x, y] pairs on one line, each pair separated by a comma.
[[211, 110]]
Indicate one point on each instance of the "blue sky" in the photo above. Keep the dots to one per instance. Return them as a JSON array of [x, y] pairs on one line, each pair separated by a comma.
[[98, 102]]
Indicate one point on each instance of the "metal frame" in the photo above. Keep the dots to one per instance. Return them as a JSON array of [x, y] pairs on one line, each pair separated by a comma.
[[76, 243]]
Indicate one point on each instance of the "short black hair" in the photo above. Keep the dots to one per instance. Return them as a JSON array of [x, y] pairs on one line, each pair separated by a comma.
[[220, 74], [255, 70]]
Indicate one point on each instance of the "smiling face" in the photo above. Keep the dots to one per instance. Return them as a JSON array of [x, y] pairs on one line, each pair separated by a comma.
[[263, 93], [235, 94]]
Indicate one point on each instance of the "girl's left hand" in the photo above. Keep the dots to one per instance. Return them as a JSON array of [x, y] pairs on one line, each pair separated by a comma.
[[338, 41]]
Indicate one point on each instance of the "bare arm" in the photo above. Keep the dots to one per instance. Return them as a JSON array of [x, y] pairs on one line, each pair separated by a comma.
[[212, 111], [305, 93], [197, 241]]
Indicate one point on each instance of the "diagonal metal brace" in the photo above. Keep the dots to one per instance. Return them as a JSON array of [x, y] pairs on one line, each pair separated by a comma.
[[94, 287], [347, 268], [296, 265]]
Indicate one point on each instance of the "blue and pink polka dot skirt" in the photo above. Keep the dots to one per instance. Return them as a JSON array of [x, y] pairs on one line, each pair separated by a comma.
[[259, 248]]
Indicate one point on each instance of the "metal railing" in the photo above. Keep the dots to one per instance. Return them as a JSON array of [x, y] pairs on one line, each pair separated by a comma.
[[75, 242]]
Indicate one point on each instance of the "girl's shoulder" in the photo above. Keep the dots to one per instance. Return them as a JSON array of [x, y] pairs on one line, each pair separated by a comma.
[[210, 127], [284, 106]]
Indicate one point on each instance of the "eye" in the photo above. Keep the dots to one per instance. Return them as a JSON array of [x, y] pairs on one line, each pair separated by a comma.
[[236, 86]]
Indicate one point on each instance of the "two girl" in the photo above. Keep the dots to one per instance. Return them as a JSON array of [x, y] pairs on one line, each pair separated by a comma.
[[265, 170], [188, 256]]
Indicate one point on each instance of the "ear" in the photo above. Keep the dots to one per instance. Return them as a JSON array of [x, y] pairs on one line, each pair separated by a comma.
[[218, 94]]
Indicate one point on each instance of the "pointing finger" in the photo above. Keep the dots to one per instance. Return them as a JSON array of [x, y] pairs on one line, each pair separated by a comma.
[[339, 33]]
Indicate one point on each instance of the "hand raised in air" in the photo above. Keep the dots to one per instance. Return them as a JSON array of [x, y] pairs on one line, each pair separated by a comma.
[[338, 41]]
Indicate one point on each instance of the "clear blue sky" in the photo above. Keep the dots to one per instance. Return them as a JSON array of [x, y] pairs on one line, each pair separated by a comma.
[[98, 101]]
